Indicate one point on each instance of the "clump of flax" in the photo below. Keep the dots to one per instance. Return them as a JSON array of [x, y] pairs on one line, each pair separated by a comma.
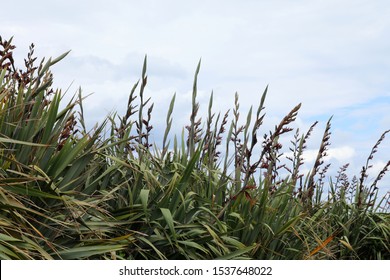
[[270, 155], [307, 196], [342, 184], [249, 167], [373, 189], [25, 77], [213, 135], [243, 151], [299, 145], [243, 148]]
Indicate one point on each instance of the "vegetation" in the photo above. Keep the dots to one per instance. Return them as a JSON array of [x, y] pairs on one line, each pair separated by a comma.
[[213, 192]]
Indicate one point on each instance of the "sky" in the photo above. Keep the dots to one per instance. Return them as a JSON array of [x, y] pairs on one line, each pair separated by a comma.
[[331, 56]]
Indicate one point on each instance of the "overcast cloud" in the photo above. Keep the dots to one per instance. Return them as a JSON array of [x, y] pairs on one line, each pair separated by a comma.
[[333, 56]]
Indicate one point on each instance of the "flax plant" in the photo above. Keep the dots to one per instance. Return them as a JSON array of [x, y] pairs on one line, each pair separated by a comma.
[[217, 191]]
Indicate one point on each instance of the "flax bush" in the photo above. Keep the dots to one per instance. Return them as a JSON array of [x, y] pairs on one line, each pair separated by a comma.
[[217, 191]]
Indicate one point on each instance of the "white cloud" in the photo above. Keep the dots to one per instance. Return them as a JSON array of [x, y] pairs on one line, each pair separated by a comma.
[[341, 154]]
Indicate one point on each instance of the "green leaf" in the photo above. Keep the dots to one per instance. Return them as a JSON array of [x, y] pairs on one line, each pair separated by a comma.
[[157, 251], [169, 220], [193, 244], [236, 254], [88, 251], [13, 141], [67, 155], [51, 118], [57, 59], [144, 196]]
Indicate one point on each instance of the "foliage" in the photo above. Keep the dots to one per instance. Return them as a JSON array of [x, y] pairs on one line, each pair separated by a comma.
[[214, 193]]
